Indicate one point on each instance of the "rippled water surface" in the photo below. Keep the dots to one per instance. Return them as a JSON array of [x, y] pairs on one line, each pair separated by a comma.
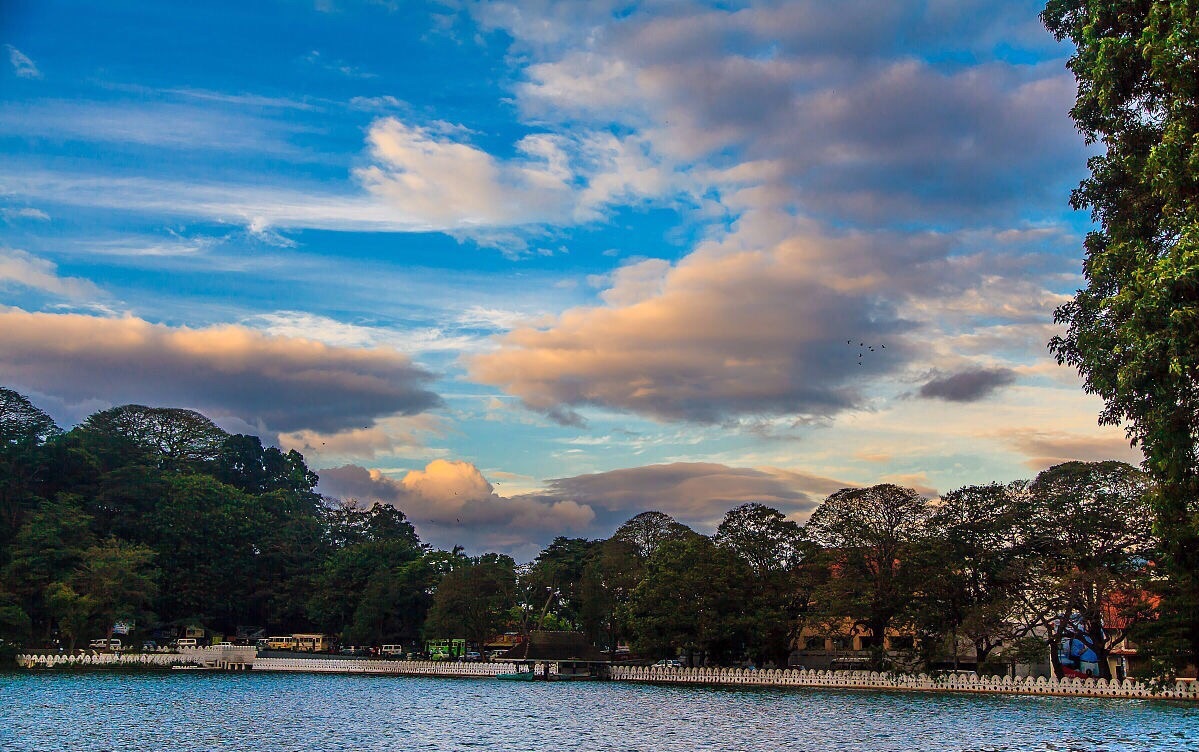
[[267, 712]]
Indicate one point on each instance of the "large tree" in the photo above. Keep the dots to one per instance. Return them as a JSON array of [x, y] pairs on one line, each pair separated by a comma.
[[648, 530], [691, 599], [970, 561], [24, 462], [170, 437], [612, 571], [557, 575], [21, 422], [773, 547], [121, 581], [47, 549], [208, 537], [1085, 530], [473, 601], [869, 540], [1133, 332], [378, 588]]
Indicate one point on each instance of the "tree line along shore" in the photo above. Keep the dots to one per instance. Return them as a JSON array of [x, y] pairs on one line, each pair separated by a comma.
[[157, 519]]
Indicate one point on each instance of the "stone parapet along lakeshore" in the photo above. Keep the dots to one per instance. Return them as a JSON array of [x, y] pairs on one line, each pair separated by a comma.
[[914, 682], [220, 656], [235, 657], [382, 666]]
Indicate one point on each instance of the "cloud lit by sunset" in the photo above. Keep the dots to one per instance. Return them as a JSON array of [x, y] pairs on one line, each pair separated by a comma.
[[529, 268]]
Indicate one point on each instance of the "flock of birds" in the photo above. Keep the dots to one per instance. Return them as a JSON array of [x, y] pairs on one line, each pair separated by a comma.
[[864, 348]]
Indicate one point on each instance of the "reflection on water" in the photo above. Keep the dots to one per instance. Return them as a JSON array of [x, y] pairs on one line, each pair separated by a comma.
[[218, 712]]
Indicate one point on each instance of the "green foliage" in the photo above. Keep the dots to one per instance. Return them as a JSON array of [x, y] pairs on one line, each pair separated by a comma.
[[971, 569], [648, 530], [359, 579], [22, 423], [71, 610], [1086, 532], [393, 605], [120, 579], [244, 463], [15, 625], [692, 598], [557, 576], [612, 571], [1133, 332], [173, 438], [473, 600], [25, 431], [206, 535], [773, 548], [869, 539], [47, 549]]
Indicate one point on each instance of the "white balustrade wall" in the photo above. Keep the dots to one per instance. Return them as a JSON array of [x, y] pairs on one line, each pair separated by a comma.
[[208, 656], [922, 682], [245, 657], [404, 668]]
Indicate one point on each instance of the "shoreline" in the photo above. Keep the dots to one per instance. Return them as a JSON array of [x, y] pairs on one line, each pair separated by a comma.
[[241, 662]]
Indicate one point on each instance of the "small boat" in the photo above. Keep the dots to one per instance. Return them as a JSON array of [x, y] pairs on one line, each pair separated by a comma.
[[517, 676]]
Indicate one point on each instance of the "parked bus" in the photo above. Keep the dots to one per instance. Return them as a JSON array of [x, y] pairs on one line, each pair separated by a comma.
[[281, 643], [445, 650], [313, 643], [106, 644]]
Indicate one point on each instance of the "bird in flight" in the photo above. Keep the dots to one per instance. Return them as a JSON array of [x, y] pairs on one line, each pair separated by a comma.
[[865, 348]]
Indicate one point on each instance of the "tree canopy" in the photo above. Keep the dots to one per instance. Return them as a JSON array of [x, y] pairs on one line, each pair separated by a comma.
[[1133, 331], [157, 517], [22, 422]]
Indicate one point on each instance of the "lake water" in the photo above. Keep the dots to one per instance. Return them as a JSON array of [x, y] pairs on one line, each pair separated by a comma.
[[213, 712]]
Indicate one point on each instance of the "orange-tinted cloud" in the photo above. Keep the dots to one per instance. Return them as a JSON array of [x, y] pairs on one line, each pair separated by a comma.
[[276, 383], [697, 493], [1047, 448], [745, 326], [451, 503]]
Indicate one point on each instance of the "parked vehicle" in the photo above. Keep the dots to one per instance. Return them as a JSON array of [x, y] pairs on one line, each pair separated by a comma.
[[282, 643], [185, 642], [668, 663], [445, 649]]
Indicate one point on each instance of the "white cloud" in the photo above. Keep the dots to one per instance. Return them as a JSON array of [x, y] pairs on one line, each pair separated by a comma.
[[453, 185], [21, 268], [343, 334], [22, 66], [206, 126], [397, 435], [11, 213]]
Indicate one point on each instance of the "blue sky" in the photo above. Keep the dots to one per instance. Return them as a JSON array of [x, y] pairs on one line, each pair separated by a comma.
[[529, 268]]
